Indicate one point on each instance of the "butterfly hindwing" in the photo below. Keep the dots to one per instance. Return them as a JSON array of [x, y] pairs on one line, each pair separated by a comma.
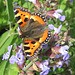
[[31, 47], [46, 37]]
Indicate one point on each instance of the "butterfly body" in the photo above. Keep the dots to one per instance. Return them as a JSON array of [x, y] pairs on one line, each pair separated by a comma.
[[34, 31]]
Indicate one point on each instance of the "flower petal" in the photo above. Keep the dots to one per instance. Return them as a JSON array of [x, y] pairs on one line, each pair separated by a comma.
[[12, 59], [62, 18], [58, 11], [51, 26], [9, 48]]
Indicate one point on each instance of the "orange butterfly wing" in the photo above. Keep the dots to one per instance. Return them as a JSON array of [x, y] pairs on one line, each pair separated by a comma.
[[22, 16], [32, 46]]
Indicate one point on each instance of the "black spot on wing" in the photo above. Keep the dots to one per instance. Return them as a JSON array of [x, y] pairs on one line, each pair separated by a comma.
[[16, 12], [18, 18], [28, 53], [26, 48], [31, 48], [26, 43], [26, 19], [20, 23], [33, 42]]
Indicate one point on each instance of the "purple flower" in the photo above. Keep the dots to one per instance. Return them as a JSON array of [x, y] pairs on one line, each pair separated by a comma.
[[58, 45], [9, 48], [54, 67], [56, 15], [44, 67], [51, 26], [66, 56], [64, 49], [59, 16], [15, 3], [67, 62], [58, 56], [58, 11], [57, 30], [71, 1], [21, 45], [6, 56], [62, 18], [45, 46], [59, 65], [19, 58], [12, 59]]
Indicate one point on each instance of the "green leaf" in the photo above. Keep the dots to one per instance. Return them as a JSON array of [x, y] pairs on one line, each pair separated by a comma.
[[11, 69], [2, 67], [64, 28], [8, 69], [63, 5], [6, 43], [10, 10], [59, 70]]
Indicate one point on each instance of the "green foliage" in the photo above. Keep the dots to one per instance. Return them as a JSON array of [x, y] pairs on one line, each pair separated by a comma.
[[9, 6], [8, 41], [7, 19]]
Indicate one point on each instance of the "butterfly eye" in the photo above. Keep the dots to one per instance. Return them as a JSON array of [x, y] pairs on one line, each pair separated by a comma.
[[21, 14]]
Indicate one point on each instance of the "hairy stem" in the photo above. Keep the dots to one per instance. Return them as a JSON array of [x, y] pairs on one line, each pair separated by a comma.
[[27, 67]]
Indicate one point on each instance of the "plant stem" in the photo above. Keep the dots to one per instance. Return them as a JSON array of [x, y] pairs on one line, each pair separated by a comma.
[[26, 68], [31, 7], [13, 29]]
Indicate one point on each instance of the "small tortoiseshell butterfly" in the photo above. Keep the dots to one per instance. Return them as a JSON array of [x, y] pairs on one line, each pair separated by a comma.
[[34, 31]]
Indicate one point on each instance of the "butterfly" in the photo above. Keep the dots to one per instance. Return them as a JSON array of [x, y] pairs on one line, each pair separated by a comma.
[[34, 31]]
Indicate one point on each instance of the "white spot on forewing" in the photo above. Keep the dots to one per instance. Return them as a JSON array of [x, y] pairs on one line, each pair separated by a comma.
[[28, 55], [15, 10]]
